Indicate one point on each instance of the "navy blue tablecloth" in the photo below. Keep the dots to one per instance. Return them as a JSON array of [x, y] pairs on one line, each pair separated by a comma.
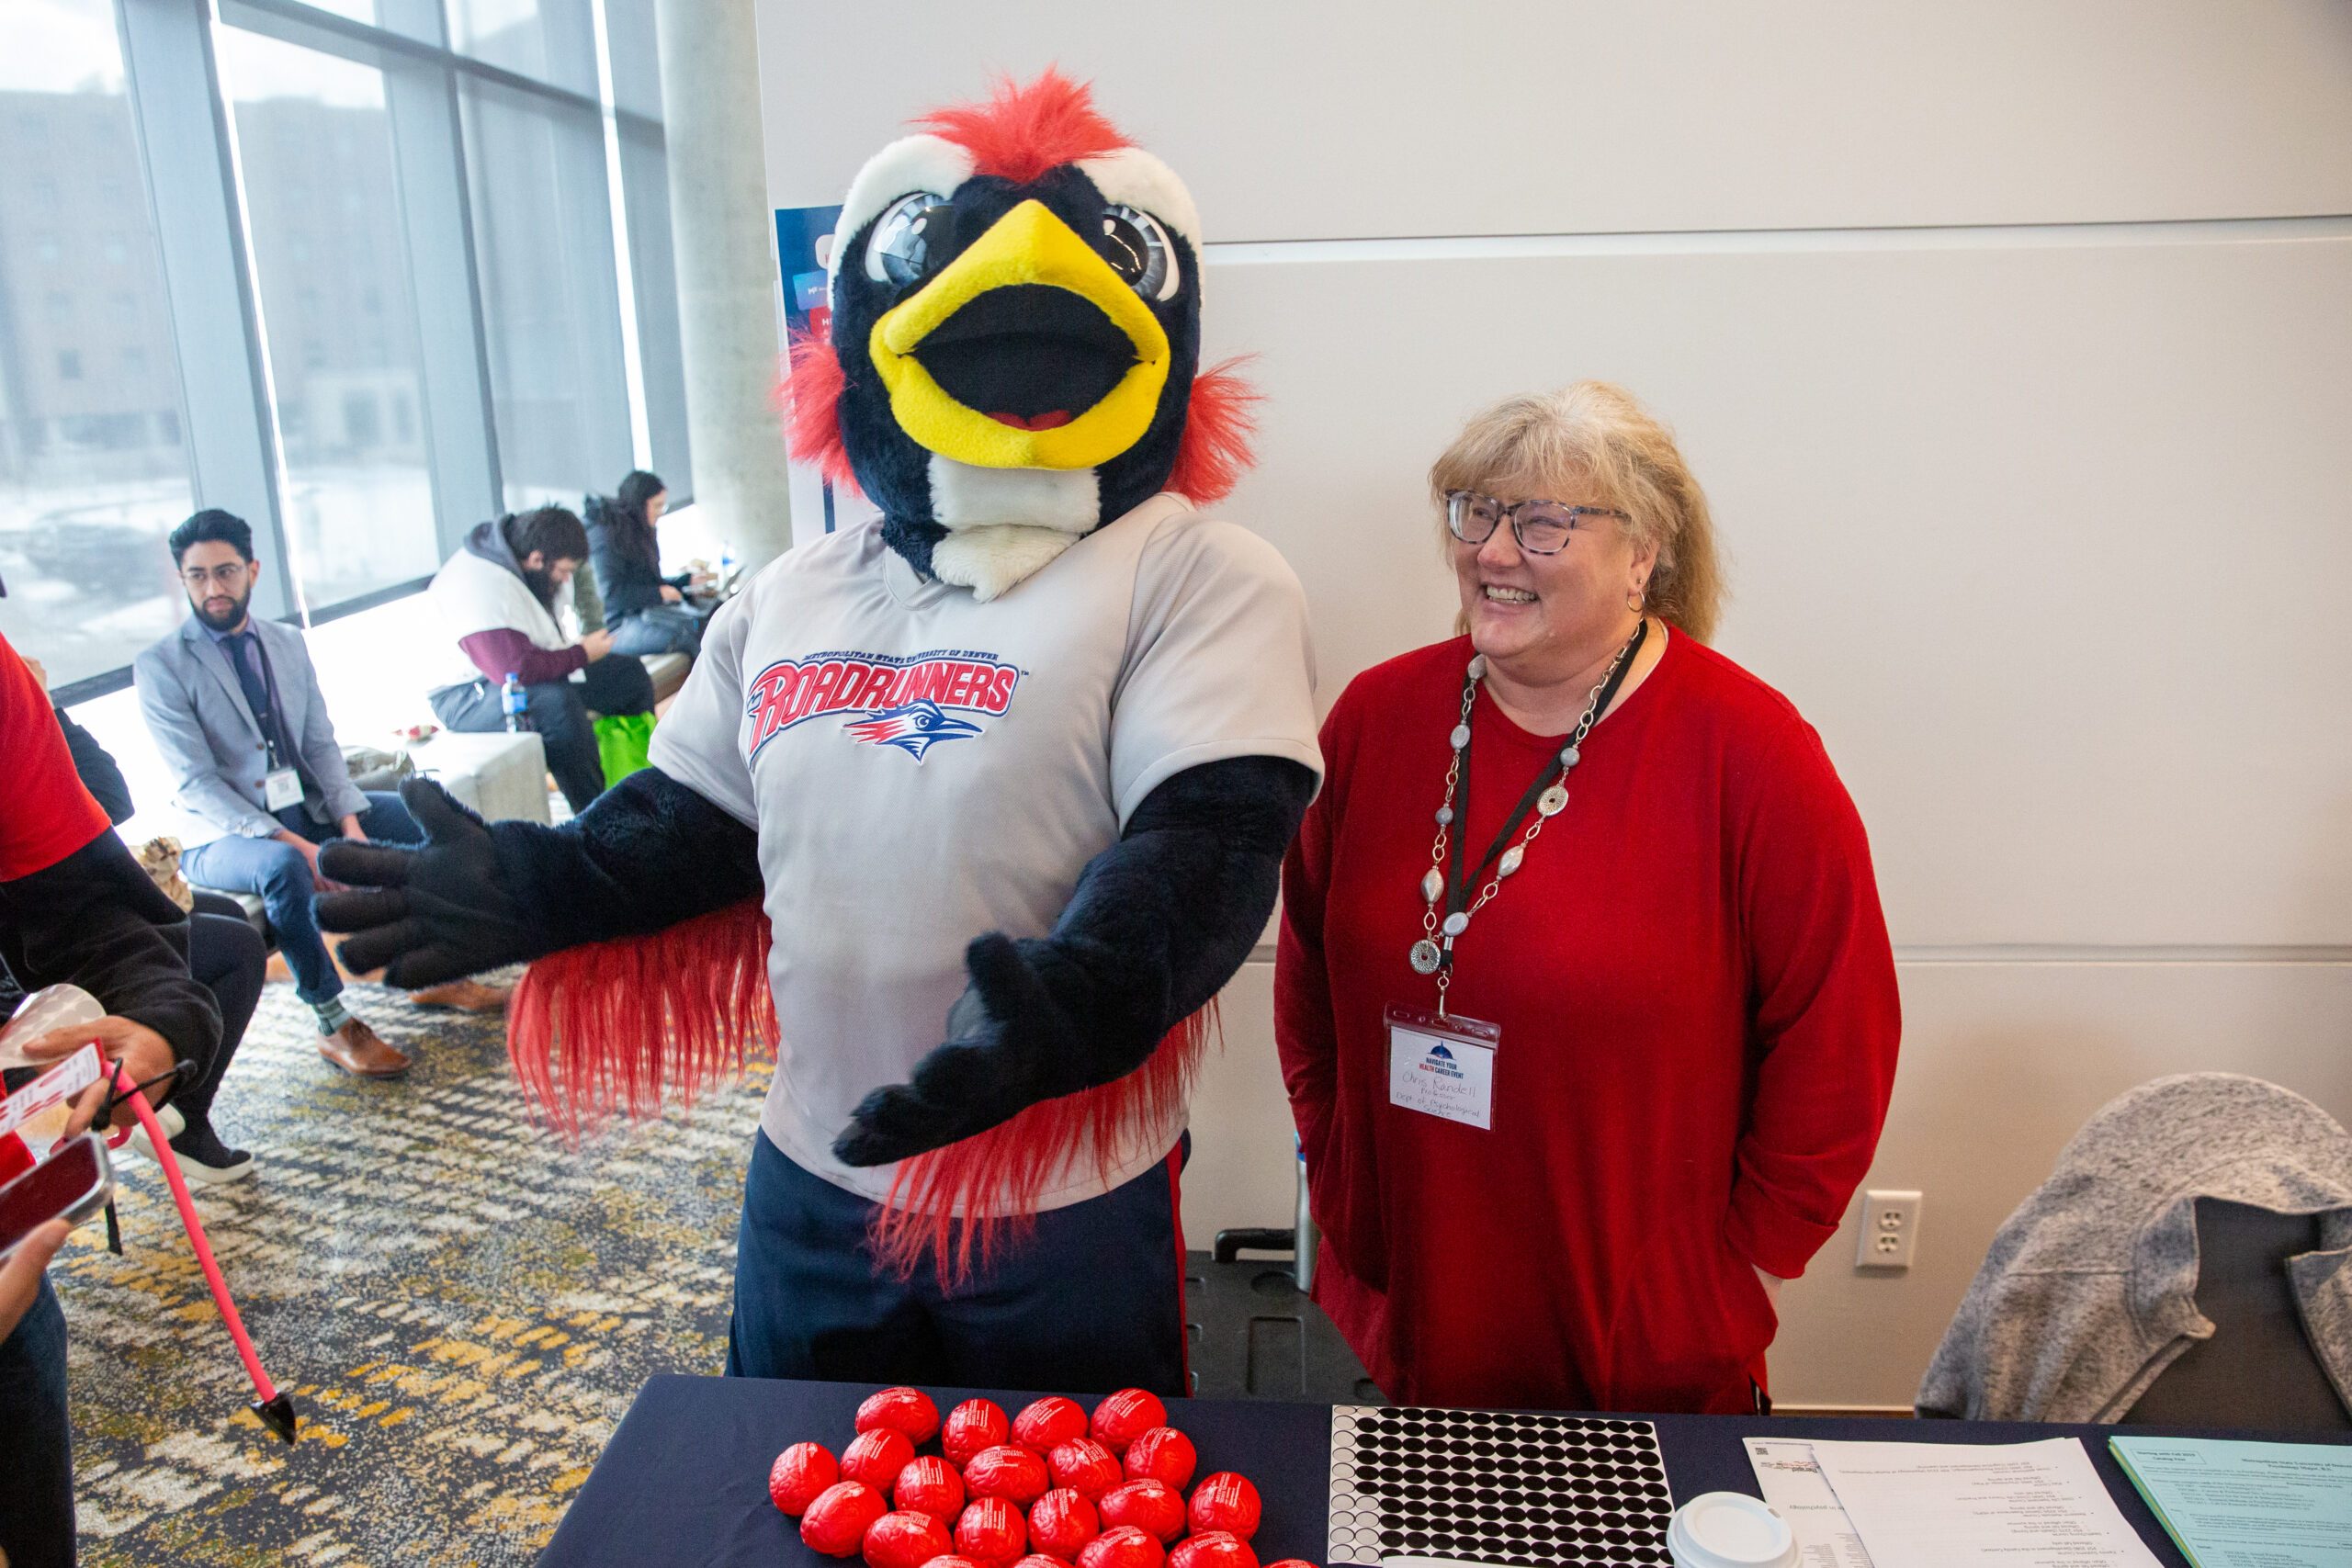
[[683, 1482]]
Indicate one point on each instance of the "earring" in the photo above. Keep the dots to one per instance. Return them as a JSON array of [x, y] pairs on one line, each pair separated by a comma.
[[1634, 598]]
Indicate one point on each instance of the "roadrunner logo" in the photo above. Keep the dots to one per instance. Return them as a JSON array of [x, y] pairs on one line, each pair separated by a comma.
[[911, 703]]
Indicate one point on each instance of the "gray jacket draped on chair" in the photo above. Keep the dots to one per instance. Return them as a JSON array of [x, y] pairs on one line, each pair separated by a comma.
[[2089, 1290]]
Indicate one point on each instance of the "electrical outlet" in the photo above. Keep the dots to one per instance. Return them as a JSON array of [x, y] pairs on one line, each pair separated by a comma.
[[1890, 1229]]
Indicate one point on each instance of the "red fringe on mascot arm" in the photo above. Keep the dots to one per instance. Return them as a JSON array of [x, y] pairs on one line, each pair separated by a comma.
[[618, 1025]]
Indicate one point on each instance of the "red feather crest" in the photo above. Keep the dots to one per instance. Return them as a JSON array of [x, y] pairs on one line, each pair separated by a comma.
[[1214, 452], [1026, 128], [810, 395]]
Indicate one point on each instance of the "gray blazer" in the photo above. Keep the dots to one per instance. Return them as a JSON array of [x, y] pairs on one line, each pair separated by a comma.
[[189, 696]]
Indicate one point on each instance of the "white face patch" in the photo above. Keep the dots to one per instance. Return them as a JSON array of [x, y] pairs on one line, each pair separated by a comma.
[[909, 165], [1133, 178], [964, 495]]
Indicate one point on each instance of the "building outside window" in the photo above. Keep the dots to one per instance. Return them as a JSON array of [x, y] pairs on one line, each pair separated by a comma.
[[92, 474], [450, 278]]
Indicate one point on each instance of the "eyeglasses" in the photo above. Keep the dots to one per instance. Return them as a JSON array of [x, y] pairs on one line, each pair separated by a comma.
[[227, 574], [1542, 527]]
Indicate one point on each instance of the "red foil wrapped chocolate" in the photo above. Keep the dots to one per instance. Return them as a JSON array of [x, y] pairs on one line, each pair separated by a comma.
[[1294, 1562], [930, 1485], [907, 1410], [906, 1540], [1224, 1502], [1048, 1423], [951, 1560], [1008, 1471], [876, 1457], [1084, 1466], [1163, 1454], [1039, 1560], [1124, 1546], [800, 1473], [972, 1426], [837, 1520], [992, 1533], [1061, 1522], [1125, 1416], [1217, 1548], [1153, 1507]]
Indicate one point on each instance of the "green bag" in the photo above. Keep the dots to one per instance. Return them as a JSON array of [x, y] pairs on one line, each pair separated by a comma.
[[621, 745]]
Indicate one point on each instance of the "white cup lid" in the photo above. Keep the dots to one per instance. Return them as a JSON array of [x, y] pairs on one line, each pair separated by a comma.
[[1729, 1529]]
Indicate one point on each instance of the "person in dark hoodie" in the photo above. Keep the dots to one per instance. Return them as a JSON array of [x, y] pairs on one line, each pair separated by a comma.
[[225, 955], [75, 908], [647, 611], [499, 598]]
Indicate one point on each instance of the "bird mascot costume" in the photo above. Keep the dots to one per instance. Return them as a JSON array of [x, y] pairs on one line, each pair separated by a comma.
[[968, 813]]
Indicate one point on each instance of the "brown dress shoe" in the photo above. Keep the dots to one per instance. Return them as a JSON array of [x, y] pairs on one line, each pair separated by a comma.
[[361, 1052], [466, 996]]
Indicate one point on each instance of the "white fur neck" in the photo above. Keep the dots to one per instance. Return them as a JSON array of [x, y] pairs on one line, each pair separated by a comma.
[[1004, 526]]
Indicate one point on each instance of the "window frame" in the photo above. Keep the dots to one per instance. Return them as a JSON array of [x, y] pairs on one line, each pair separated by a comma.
[[193, 190]]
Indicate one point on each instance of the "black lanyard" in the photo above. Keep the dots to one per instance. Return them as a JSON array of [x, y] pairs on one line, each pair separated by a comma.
[[1457, 886], [273, 723]]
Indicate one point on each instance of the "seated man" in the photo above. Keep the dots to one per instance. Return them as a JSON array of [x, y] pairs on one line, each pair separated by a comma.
[[498, 598], [234, 708]]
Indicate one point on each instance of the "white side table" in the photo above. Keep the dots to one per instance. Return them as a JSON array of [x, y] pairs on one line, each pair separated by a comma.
[[502, 776]]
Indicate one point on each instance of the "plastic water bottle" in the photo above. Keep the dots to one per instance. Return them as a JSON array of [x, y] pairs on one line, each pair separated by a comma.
[[510, 698]]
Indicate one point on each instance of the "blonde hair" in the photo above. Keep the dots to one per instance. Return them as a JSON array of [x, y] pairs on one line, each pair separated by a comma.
[[1595, 436]]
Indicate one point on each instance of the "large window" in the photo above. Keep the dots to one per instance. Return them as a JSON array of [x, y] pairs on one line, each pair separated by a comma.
[[363, 272], [339, 319], [94, 470], [544, 244]]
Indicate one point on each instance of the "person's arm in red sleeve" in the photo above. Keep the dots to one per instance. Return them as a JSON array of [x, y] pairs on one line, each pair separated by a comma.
[[1304, 1032], [1825, 1021], [48, 813], [502, 651]]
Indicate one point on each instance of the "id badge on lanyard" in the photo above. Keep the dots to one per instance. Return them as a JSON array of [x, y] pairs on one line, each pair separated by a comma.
[[1443, 1066], [280, 788]]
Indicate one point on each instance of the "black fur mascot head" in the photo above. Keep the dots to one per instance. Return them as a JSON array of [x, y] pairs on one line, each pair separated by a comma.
[[1014, 342]]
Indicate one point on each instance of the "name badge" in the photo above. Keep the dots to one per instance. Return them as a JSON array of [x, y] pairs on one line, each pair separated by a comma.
[[1442, 1067], [280, 788]]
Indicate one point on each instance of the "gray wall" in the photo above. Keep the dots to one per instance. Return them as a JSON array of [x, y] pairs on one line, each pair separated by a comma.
[[2010, 342]]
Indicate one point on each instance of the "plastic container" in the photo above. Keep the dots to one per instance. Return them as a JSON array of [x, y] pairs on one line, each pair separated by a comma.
[[1729, 1529]]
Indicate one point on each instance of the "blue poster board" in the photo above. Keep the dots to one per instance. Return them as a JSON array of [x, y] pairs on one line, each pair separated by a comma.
[[804, 237]]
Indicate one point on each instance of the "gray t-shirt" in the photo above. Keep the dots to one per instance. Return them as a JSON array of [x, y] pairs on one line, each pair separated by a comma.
[[922, 769]]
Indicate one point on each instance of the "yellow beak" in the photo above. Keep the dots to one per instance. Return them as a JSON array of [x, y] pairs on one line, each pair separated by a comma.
[[1027, 245]]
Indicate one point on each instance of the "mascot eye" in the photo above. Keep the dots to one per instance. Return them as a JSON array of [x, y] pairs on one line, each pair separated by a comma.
[[1139, 251], [911, 230]]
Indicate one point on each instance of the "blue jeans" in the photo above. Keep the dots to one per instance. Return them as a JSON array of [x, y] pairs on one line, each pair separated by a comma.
[[669, 628], [1090, 1300], [280, 875], [37, 1472]]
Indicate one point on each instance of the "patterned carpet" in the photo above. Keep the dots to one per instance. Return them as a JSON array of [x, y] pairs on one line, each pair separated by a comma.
[[462, 1308]]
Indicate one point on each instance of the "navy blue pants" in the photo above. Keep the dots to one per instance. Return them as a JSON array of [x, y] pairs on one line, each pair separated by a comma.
[[1089, 1301], [35, 1441]]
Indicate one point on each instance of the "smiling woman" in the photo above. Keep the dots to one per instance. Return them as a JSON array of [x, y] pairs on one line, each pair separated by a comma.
[[1624, 1078]]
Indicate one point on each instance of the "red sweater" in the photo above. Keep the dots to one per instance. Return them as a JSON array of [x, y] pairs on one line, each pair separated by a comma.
[[1699, 1029]]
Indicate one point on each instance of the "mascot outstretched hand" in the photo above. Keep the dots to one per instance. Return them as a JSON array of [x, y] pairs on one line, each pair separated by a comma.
[[969, 814]]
